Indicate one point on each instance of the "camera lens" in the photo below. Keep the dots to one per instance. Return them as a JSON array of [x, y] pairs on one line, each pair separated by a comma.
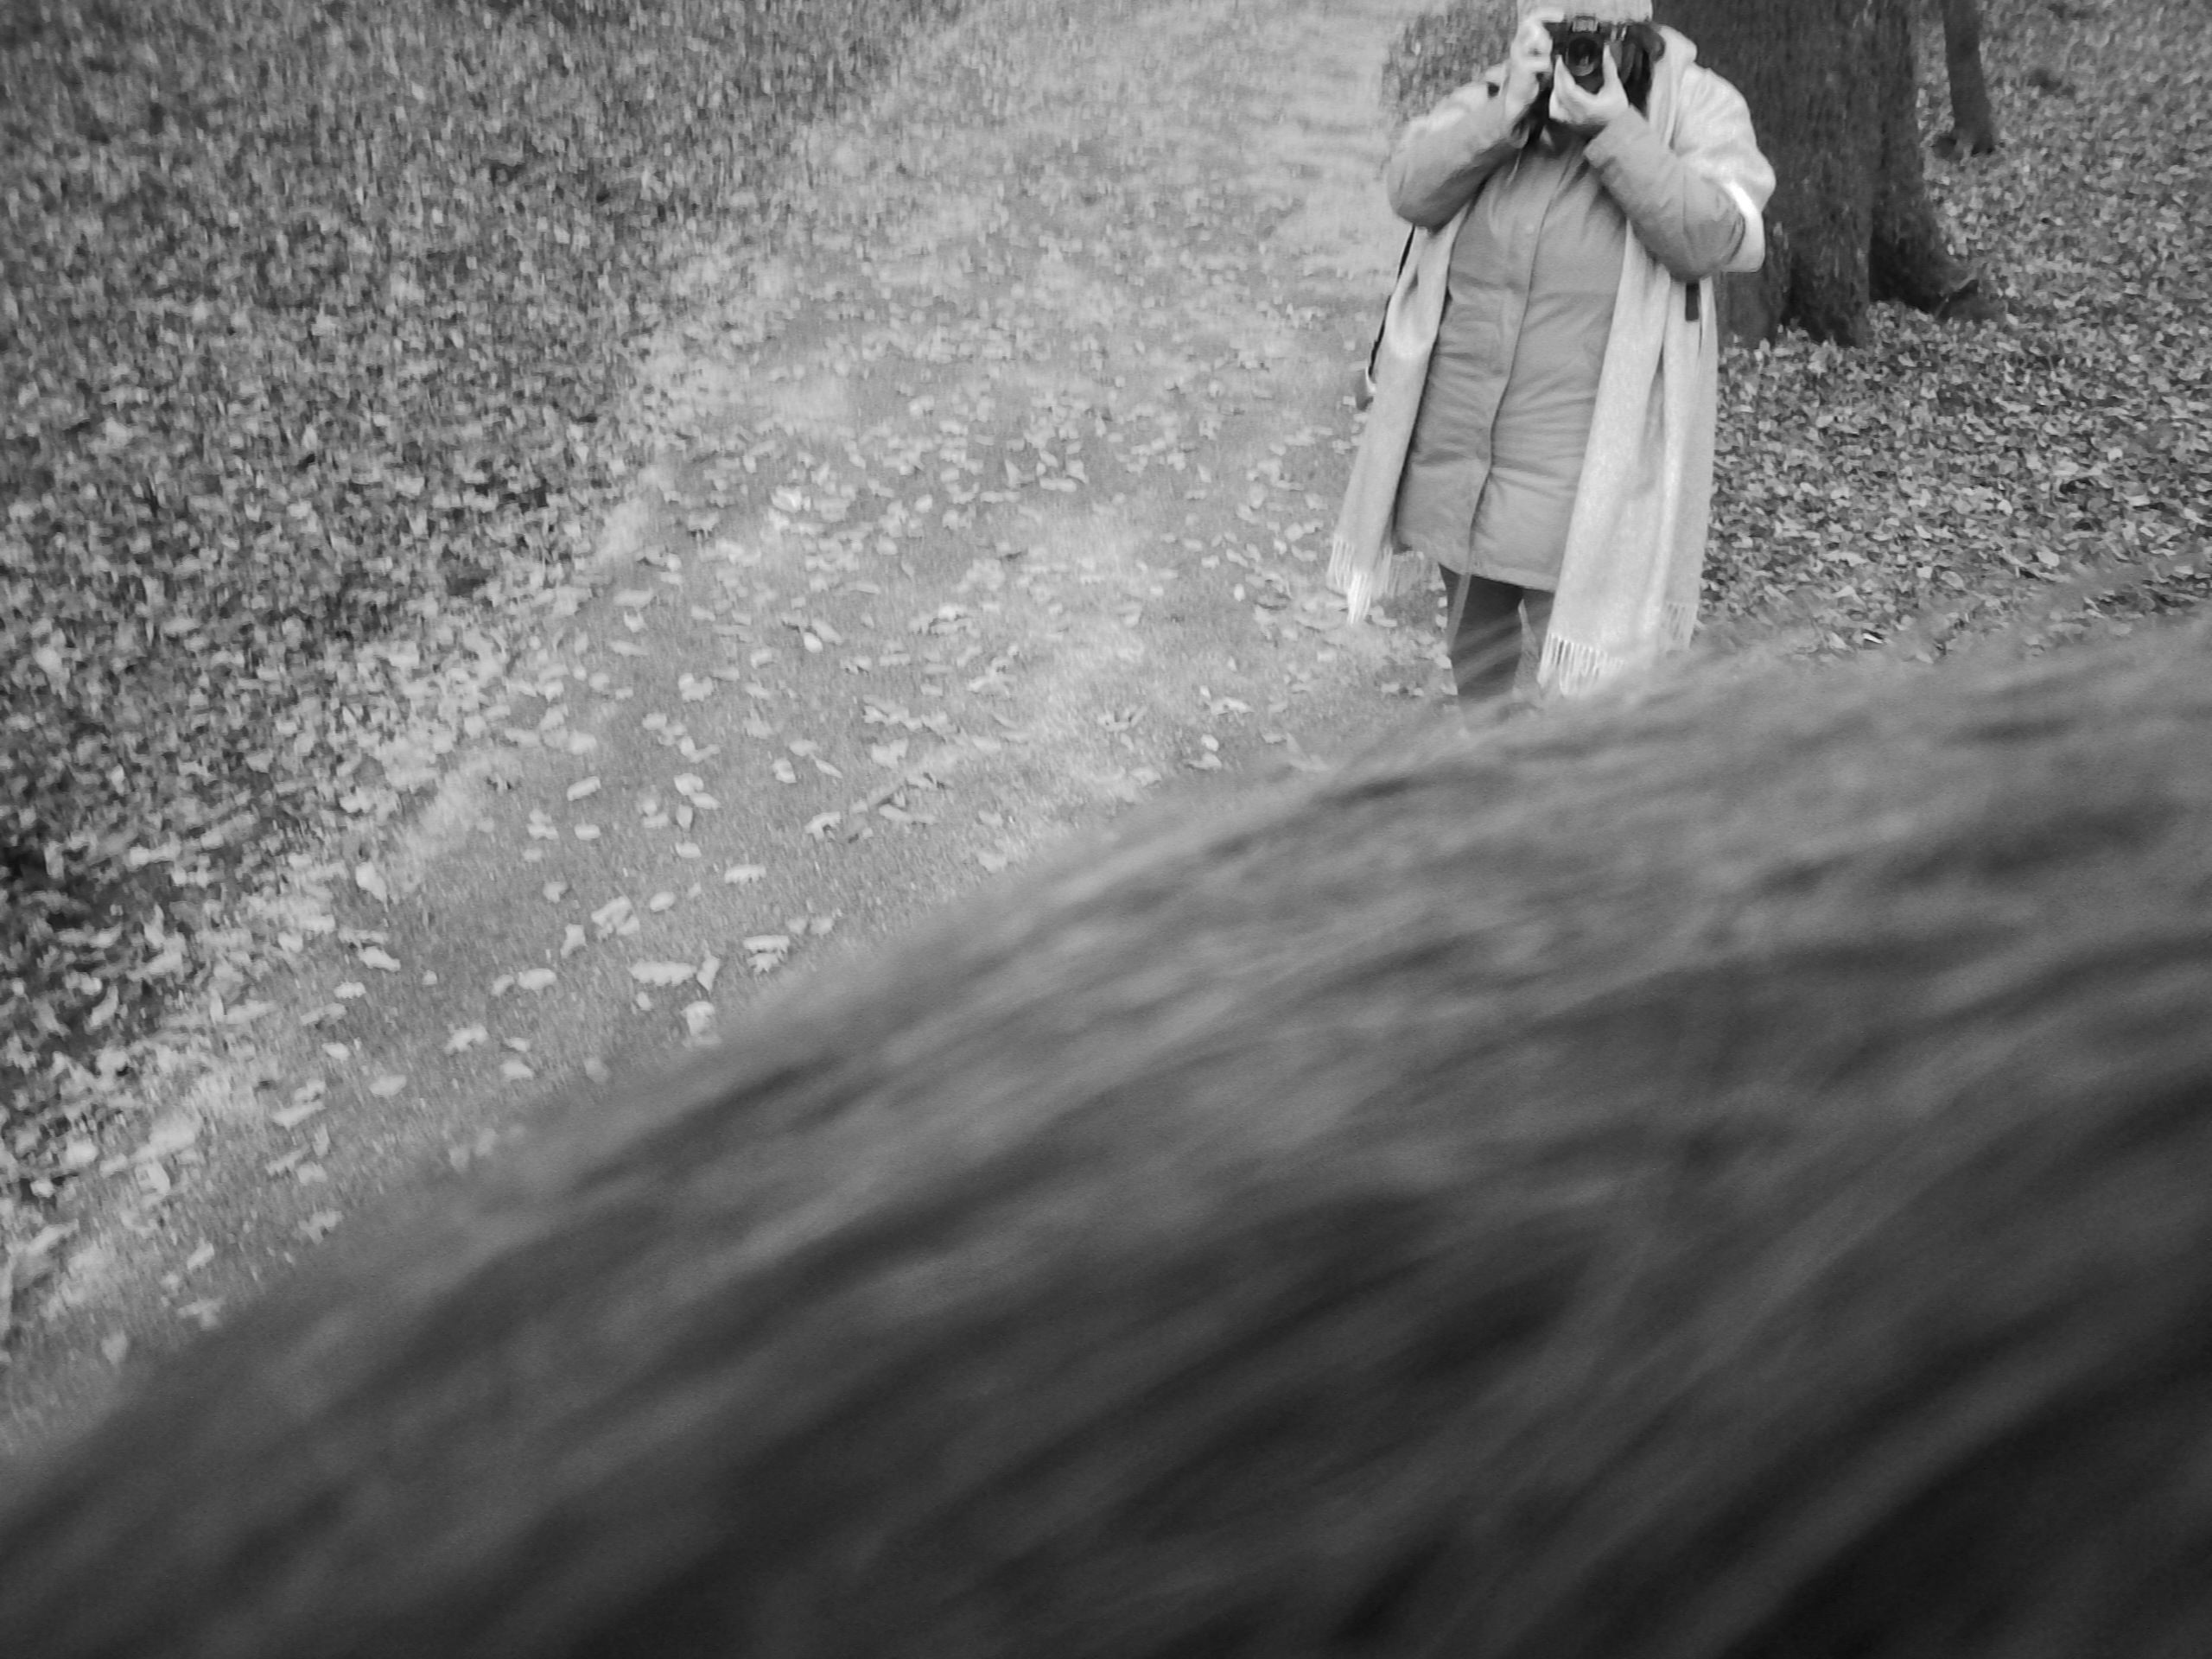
[[1580, 57]]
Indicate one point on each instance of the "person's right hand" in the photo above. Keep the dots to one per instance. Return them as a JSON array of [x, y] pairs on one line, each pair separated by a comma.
[[1529, 60]]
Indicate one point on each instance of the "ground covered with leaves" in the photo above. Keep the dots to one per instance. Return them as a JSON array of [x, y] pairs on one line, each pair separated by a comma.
[[2046, 475], [310, 318]]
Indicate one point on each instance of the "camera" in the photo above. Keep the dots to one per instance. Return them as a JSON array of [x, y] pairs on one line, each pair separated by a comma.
[[1579, 48]]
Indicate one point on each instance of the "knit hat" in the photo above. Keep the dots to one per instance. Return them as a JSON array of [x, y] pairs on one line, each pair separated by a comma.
[[1605, 11]]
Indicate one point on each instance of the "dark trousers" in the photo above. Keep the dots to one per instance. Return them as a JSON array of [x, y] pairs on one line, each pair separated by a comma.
[[1495, 636]]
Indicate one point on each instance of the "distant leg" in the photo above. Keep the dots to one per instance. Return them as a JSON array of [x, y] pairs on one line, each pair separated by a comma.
[[1486, 635]]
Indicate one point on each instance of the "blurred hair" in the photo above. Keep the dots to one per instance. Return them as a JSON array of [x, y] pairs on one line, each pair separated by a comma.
[[1724, 1173]]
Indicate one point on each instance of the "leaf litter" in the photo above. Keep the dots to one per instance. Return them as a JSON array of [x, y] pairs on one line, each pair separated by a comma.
[[313, 322]]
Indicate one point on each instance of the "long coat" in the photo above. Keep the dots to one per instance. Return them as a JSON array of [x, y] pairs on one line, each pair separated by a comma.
[[1496, 452]]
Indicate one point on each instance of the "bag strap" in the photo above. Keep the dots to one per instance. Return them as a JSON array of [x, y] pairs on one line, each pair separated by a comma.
[[1382, 328]]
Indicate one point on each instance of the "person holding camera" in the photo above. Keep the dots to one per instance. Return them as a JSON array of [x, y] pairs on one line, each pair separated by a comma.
[[1545, 386]]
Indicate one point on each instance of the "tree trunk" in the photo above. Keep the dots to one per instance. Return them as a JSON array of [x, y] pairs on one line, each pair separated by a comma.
[[1832, 88], [1974, 124]]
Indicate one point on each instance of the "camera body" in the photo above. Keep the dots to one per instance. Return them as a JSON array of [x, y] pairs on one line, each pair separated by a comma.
[[1578, 49]]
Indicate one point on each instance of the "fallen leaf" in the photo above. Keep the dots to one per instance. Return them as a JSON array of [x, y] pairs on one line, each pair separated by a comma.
[[168, 1136]]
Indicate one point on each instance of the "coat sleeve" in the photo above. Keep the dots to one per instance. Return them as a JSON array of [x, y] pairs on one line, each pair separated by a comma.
[[1444, 158], [1696, 207]]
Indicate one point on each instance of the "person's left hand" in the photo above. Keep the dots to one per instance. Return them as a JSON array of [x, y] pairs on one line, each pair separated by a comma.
[[1588, 114]]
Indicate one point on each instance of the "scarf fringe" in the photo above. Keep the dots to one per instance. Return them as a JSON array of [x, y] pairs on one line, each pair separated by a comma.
[[1340, 571], [1365, 581], [1569, 668]]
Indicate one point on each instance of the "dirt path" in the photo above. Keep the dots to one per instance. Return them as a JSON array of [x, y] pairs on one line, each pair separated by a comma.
[[999, 460]]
